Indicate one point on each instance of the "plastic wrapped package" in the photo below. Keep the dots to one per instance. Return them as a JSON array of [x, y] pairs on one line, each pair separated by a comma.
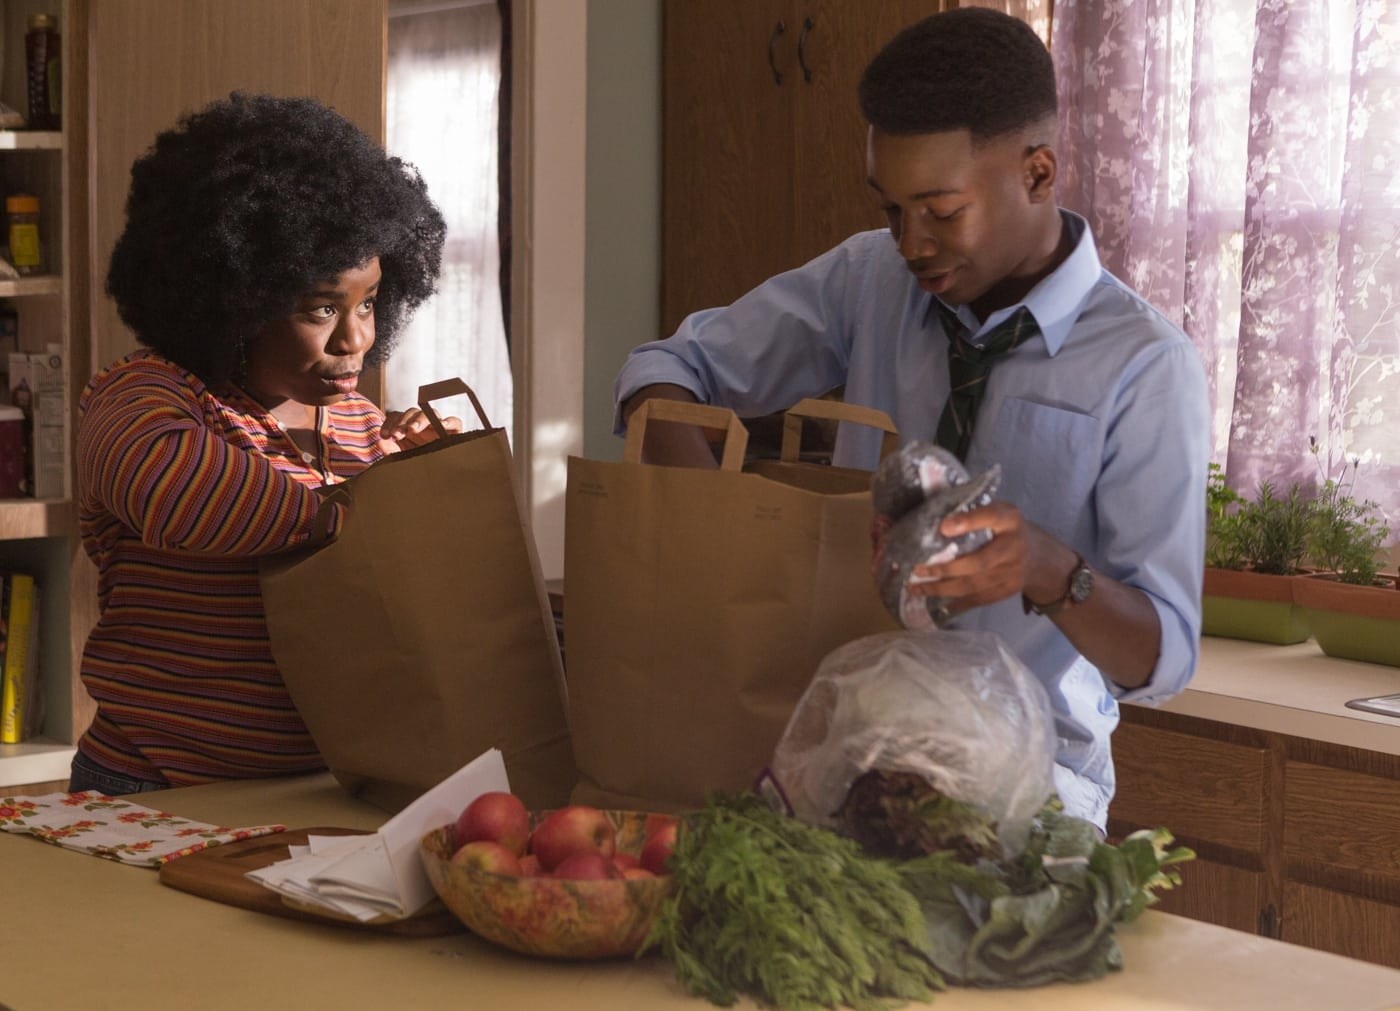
[[954, 708], [912, 491]]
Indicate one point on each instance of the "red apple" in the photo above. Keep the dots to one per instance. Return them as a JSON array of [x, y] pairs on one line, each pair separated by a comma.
[[498, 817], [485, 855], [625, 860], [656, 852], [577, 828], [530, 866], [634, 873], [587, 865], [655, 820]]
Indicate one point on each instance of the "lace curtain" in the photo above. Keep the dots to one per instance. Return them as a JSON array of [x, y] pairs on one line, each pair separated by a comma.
[[1238, 162], [442, 95]]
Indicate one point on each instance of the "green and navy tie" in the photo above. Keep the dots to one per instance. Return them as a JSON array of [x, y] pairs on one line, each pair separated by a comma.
[[968, 367]]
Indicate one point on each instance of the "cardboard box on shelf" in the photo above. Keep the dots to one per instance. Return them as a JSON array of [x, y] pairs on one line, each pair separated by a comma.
[[38, 388]]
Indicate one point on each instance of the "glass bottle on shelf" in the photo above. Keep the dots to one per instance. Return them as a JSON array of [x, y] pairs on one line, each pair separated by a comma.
[[41, 48], [22, 217]]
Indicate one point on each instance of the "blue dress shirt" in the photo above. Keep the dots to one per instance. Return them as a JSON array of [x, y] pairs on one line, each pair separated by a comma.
[[1100, 426]]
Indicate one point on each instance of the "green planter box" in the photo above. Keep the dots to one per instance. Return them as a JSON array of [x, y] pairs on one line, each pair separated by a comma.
[[1252, 606], [1352, 622]]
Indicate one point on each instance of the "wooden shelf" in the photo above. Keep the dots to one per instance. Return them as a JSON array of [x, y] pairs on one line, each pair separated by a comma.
[[31, 140], [27, 517], [43, 284]]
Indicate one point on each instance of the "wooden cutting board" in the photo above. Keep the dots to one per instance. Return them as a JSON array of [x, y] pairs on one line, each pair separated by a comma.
[[218, 873]]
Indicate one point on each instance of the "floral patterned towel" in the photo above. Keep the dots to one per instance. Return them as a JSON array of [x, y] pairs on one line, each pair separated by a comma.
[[115, 829]]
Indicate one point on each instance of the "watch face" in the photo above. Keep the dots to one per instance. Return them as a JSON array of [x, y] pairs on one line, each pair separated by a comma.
[[1081, 582]]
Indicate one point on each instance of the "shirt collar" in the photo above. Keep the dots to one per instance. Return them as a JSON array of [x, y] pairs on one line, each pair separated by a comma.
[[1055, 302]]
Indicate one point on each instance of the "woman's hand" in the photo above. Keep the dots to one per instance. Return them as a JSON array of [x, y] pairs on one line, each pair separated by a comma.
[[406, 429]]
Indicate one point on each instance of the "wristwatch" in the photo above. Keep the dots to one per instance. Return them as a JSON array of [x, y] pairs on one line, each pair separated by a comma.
[[1081, 584]]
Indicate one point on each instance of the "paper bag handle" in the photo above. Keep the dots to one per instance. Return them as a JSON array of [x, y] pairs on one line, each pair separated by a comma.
[[736, 436], [441, 389], [834, 410], [321, 526]]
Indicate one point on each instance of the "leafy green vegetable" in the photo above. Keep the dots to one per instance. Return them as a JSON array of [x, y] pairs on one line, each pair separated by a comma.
[[789, 913], [1049, 914], [898, 814]]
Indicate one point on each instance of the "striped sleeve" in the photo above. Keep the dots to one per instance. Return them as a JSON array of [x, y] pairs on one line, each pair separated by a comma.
[[148, 455]]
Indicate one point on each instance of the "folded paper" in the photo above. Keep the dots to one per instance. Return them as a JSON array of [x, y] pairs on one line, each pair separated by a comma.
[[381, 874]]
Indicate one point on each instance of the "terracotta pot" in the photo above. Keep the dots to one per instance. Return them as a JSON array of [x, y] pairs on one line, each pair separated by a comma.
[[1351, 621], [1252, 606]]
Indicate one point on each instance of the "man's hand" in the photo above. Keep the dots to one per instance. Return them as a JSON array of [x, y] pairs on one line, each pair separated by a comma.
[[1116, 628], [997, 570], [667, 442], [405, 429]]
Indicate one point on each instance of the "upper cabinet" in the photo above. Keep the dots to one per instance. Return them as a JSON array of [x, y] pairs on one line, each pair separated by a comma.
[[763, 143]]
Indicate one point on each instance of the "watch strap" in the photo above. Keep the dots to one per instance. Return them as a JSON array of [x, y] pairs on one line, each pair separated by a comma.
[[1081, 582]]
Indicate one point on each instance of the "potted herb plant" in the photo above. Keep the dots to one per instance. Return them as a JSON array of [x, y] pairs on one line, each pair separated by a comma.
[[1253, 549], [1352, 610]]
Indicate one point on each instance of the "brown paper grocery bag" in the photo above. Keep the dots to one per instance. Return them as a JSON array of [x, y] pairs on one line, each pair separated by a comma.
[[422, 635], [697, 605]]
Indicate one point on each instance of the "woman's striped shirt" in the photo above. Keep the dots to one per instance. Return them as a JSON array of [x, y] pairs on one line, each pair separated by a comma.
[[181, 487]]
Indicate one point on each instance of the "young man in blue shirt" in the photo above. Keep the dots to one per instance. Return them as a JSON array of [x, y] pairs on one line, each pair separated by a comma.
[[1097, 414]]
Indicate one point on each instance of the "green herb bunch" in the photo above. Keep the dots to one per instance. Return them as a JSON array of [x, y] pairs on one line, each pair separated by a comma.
[[1267, 535], [1224, 548], [789, 913], [1345, 536]]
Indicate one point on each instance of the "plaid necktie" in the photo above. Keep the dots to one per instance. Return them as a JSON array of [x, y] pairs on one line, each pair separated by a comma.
[[968, 366]]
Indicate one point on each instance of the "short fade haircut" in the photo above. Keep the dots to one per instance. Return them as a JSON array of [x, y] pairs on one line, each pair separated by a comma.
[[970, 69]]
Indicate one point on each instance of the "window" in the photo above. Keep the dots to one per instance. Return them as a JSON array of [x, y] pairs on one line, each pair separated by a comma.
[[443, 93]]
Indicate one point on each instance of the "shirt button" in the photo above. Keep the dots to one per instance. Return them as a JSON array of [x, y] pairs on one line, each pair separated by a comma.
[[308, 458]]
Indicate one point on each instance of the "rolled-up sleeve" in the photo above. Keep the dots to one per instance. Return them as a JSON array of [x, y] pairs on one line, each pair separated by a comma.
[[1151, 498], [784, 340]]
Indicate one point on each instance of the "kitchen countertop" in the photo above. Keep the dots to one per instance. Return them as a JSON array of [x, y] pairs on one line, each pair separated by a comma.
[[83, 933], [1296, 690]]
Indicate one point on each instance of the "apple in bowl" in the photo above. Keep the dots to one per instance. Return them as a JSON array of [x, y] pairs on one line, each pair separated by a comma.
[[578, 890]]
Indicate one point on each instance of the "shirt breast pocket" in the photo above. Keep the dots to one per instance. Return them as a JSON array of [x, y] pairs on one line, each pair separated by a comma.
[[1050, 458]]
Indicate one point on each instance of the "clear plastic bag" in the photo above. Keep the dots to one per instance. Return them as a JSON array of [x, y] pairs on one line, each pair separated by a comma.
[[952, 706]]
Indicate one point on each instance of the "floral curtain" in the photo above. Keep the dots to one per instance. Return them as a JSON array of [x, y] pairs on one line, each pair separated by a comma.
[[442, 113], [1239, 161], [1035, 13]]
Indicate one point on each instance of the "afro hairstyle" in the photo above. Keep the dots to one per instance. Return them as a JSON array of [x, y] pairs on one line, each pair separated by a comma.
[[970, 68], [248, 204]]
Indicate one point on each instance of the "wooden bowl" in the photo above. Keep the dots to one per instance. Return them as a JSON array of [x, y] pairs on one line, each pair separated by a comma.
[[551, 917]]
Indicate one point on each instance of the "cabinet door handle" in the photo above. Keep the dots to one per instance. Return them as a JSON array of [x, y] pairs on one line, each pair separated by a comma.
[[807, 26], [1270, 923], [778, 30]]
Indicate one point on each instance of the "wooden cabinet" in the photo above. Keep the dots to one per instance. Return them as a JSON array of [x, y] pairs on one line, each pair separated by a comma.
[[131, 69], [1215, 791], [763, 143], [1296, 839]]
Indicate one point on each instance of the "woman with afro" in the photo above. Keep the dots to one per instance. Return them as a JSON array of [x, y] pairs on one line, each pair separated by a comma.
[[271, 252]]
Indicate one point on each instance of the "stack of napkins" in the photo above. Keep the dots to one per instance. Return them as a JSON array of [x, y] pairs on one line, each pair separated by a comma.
[[381, 875]]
